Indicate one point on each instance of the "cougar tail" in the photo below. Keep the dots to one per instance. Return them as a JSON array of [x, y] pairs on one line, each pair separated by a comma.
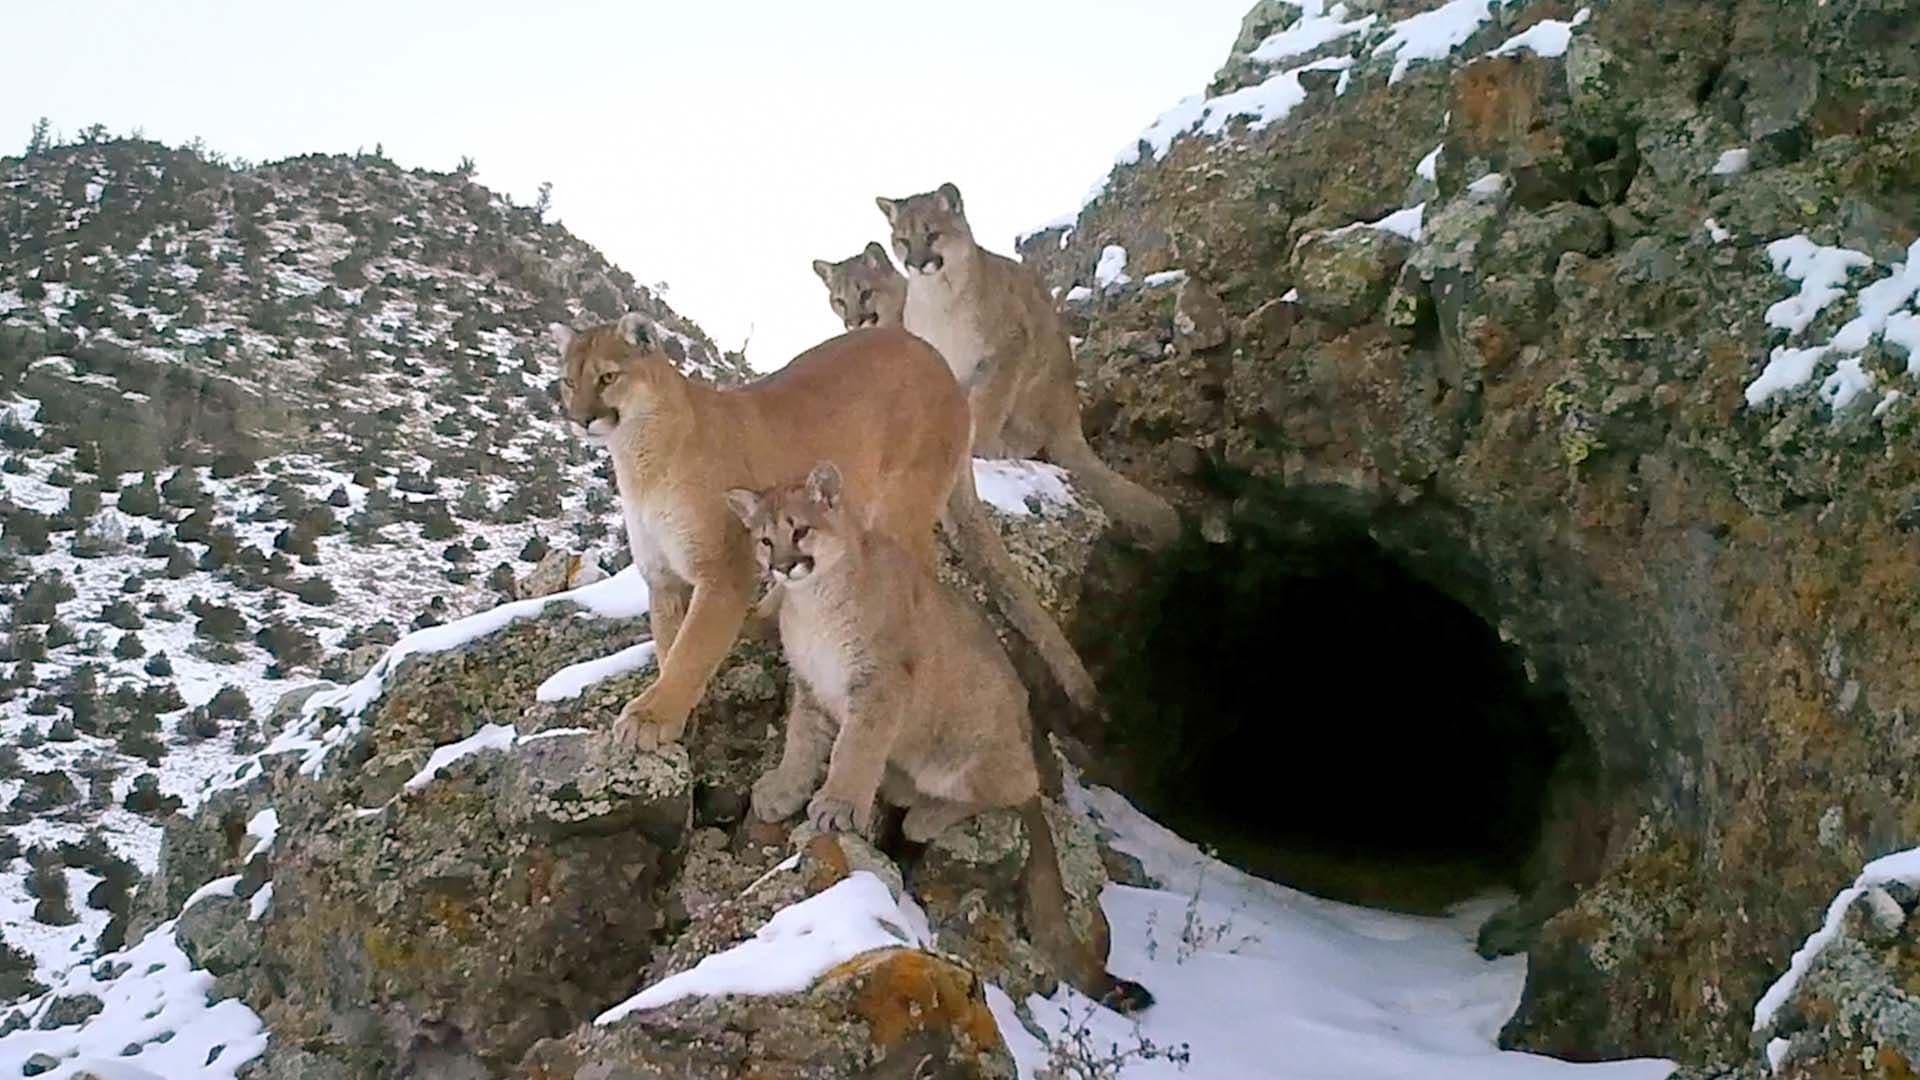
[[986, 557], [1148, 517], [1051, 928]]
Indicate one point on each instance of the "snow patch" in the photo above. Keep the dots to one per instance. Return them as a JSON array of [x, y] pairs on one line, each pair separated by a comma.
[[798, 945], [1548, 38], [1164, 279], [157, 1006], [1432, 35], [1111, 270], [1491, 184], [1348, 993], [1733, 162], [1901, 866], [257, 907], [262, 829], [489, 737], [1019, 488], [1311, 31], [1823, 273], [622, 596], [571, 681], [1428, 169], [1820, 270], [1403, 222]]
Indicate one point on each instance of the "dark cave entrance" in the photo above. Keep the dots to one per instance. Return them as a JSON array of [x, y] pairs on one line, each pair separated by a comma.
[[1321, 714]]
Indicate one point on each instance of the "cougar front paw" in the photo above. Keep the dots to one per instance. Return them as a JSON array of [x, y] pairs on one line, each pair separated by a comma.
[[828, 814], [777, 797], [641, 728]]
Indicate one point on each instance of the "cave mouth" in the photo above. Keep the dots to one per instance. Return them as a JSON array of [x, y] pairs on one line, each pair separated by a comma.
[[1310, 708]]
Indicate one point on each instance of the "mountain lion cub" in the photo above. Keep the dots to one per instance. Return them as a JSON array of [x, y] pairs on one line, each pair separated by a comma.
[[992, 320], [878, 402], [865, 290], [902, 692]]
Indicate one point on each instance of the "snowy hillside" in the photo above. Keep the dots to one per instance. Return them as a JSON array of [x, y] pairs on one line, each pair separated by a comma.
[[257, 424]]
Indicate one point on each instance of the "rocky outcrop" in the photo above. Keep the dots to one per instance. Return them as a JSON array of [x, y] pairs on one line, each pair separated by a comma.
[[1549, 406], [457, 881]]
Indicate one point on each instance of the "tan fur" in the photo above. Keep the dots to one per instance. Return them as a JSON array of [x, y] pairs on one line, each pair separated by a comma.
[[902, 693], [992, 320], [864, 290], [879, 402]]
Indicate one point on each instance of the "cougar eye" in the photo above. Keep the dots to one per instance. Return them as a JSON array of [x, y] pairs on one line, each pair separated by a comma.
[[838, 305], [766, 543], [866, 295], [933, 238], [800, 533], [606, 378]]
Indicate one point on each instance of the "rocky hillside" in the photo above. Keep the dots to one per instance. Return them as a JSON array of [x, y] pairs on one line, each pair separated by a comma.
[[1600, 319], [257, 423]]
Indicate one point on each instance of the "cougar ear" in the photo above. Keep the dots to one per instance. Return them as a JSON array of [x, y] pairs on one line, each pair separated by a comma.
[[744, 503], [562, 336], [876, 255], [887, 206], [823, 485], [635, 330], [950, 195], [824, 269]]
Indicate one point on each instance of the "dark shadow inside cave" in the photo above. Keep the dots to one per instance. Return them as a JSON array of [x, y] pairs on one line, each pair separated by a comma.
[[1301, 701]]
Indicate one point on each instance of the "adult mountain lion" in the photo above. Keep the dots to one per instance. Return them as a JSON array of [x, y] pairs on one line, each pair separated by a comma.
[[992, 320], [903, 693], [878, 402]]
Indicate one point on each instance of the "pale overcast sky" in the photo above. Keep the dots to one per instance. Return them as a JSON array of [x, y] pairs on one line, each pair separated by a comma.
[[718, 147]]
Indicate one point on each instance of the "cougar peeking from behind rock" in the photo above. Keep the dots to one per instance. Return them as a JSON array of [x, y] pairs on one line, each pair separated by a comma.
[[878, 402], [865, 290], [901, 692], [992, 320]]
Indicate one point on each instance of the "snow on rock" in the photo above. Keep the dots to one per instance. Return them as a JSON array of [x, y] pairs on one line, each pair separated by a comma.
[[1732, 162], [489, 737], [262, 829], [155, 1021], [1903, 330], [1429, 166], [220, 886], [1164, 279], [1348, 993], [1432, 35], [1900, 867], [1260, 104], [1312, 30], [1264, 102], [1491, 184], [1823, 274], [622, 596], [1548, 38], [1405, 222], [572, 681], [262, 899], [1112, 268], [797, 945], [1019, 488]]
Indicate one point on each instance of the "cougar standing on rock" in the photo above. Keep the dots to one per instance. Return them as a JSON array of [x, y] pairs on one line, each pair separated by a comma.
[[878, 402], [902, 692], [992, 320]]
